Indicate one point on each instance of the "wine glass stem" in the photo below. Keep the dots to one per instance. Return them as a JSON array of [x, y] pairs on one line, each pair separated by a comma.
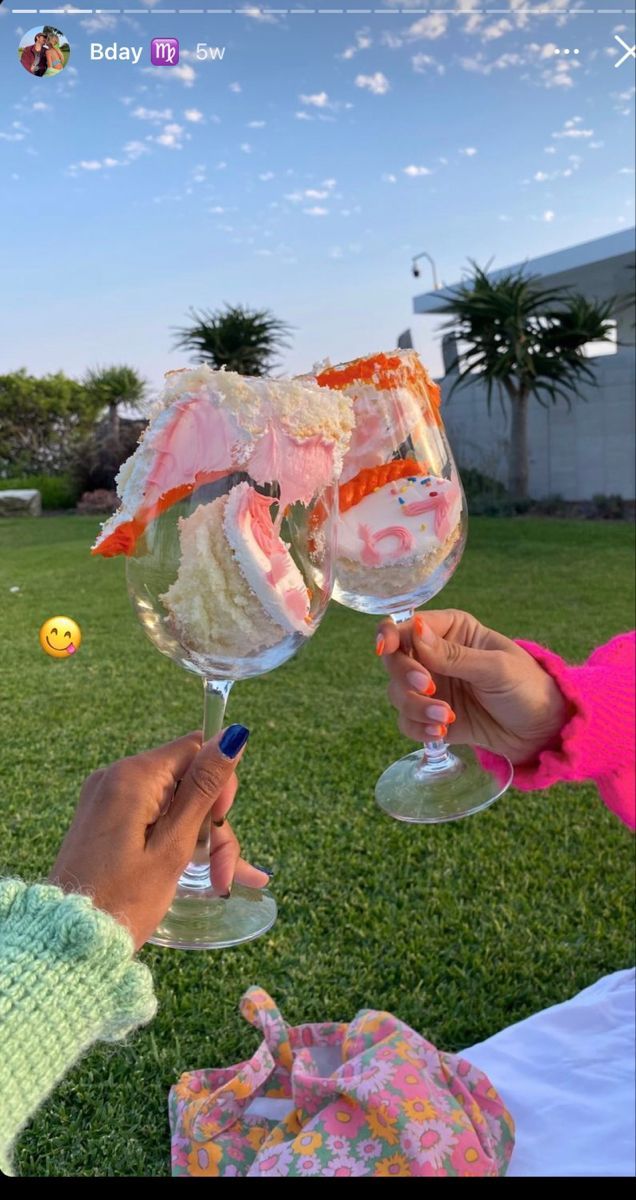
[[197, 876], [436, 754]]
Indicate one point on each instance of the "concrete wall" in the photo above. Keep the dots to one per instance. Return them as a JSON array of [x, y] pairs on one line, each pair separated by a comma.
[[575, 453]]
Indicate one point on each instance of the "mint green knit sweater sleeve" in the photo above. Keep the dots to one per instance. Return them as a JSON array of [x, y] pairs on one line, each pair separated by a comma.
[[67, 979]]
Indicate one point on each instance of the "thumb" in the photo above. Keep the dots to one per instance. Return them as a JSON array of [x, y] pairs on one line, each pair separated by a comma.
[[451, 658], [207, 775]]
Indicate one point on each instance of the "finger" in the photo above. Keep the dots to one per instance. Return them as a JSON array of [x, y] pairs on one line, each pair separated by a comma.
[[420, 708], [175, 757], [483, 668], [226, 799], [409, 675], [201, 786], [250, 876], [224, 855], [387, 638]]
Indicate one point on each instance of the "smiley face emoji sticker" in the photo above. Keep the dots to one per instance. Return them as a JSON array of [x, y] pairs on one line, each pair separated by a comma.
[[60, 637]]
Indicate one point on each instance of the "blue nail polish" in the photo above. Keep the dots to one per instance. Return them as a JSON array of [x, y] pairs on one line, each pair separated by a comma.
[[233, 740], [265, 870]]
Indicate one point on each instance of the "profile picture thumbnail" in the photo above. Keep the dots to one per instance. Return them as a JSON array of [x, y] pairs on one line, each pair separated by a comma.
[[44, 50]]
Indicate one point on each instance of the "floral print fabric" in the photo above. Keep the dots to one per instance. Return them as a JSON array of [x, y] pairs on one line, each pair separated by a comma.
[[393, 1105]]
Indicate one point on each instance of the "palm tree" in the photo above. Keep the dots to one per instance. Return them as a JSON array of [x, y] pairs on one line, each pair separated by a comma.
[[113, 386], [524, 342], [237, 338]]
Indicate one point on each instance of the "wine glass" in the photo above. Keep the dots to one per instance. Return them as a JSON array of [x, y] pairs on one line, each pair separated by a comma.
[[228, 521], [401, 533], [231, 636]]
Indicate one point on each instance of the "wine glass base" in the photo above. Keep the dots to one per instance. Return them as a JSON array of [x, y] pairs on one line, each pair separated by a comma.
[[411, 790], [202, 921]]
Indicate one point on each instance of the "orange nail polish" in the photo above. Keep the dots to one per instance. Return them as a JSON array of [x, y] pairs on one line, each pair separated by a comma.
[[443, 730], [451, 717], [418, 625], [379, 645], [430, 690]]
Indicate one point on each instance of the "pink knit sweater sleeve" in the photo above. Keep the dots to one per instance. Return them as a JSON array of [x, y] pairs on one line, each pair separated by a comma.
[[597, 742]]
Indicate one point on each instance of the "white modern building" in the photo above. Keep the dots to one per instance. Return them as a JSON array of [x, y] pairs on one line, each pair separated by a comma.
[[579, 452]]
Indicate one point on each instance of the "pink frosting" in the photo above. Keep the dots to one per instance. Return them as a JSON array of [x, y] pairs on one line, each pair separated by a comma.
[[252, 517], [301, 468], [401, 536], [441, 502], [382, 422], [199, 439]]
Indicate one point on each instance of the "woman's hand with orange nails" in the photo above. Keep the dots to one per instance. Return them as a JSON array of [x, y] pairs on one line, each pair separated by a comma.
[[486, 690]]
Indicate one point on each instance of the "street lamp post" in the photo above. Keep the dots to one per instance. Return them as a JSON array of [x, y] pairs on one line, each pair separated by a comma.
[[416, 270]]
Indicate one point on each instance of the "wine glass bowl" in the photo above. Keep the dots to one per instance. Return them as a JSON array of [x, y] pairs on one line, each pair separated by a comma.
[[234, 637]]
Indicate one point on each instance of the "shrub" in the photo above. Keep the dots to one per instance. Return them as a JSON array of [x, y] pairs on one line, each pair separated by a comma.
[[551, 506], [100, 455], [609, 508], [57, 491], [100, 501], [478, 486]]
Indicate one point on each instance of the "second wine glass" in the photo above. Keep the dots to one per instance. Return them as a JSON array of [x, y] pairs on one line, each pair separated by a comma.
[[401, 534]]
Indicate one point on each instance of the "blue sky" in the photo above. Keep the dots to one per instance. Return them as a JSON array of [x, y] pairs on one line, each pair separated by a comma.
[[301, 173]]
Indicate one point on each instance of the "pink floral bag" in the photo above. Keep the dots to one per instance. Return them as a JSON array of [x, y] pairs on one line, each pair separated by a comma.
[[369, 1098]]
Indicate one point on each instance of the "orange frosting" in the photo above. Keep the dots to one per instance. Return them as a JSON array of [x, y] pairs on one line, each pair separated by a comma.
[[384, 372], [124, 537]]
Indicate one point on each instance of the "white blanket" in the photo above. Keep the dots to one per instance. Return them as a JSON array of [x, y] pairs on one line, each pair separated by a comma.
[[567, 1074]]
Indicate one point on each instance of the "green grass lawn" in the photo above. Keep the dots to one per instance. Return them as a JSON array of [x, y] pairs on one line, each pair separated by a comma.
[[459, 929]]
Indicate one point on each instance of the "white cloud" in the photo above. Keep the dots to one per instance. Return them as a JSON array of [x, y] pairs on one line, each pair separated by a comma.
[[415, 172], [505, 218], [256, 124], [468, 152], [184, 74], [194, 115], [378, 83], [303, 116], [266, 176], [548, 216], [329, 184], [299, 197], [12, 137], [596, 145], [221, 166], [549, 149], [388, 178], [626, 171], [573, 129], [541, 177], [97, 22], [431, 27], [335, 252], [92, 164], [246, 148], [235, 87], [317, 100], [257, 14], [422, 63], [217, 210], [40, 106], [156, 116], [134, 150], [497, 29], [171, 137], [362, 42], [316, 211]]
